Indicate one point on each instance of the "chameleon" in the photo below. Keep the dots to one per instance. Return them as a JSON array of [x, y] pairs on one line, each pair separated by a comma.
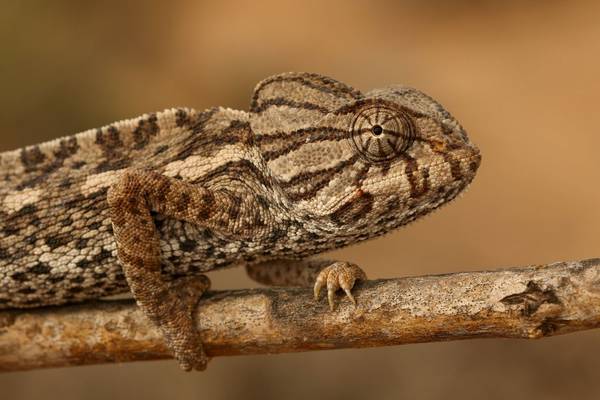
[[149, 205]]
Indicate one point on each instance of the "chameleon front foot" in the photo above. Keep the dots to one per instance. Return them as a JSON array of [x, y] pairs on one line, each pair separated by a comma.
[[339, 275], [175, 318]]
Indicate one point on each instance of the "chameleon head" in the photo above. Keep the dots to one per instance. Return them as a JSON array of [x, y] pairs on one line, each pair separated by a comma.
[[412, 157], [369, 162]]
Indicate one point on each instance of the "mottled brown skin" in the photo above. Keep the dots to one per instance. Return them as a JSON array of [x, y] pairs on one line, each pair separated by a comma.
[[149, 204]]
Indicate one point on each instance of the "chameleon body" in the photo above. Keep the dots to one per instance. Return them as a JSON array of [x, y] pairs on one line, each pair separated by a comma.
[[149, 204]]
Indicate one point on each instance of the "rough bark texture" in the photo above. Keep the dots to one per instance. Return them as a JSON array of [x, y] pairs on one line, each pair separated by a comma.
[[527, 302]]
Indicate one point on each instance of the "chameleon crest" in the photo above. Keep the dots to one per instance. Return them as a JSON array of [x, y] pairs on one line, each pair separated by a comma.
[[149, 204]]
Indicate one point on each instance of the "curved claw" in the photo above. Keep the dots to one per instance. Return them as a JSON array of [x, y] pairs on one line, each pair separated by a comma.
[[319, 284], [339, 275], [349, 295], [330, 295]]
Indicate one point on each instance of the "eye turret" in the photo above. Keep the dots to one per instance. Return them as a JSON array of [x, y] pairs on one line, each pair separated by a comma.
[[381, 133]]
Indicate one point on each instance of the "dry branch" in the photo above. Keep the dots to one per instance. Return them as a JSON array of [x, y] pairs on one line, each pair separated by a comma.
[[528, 302]]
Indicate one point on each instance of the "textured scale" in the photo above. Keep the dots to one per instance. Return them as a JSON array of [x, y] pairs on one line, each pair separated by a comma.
[[314, 165]]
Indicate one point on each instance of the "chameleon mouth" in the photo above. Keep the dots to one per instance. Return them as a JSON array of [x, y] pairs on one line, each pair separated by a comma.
[[475, 160], [464, 163]]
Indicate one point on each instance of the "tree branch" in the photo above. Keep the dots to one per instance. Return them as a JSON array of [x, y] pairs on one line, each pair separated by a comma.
[[528, 302]]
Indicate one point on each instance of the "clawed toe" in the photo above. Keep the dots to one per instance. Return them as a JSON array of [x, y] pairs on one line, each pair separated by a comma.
[[339, 275], [198, 360]]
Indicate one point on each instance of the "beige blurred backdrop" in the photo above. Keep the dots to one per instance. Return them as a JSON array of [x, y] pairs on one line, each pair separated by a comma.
[[522, 77]]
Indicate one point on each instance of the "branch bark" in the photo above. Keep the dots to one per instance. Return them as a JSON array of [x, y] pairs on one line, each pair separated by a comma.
[[526, 302]]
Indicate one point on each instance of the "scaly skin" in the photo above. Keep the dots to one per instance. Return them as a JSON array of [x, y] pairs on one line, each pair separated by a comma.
[[150, 204]]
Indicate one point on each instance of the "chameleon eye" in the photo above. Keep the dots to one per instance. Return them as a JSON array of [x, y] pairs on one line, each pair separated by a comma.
[[381, 134]]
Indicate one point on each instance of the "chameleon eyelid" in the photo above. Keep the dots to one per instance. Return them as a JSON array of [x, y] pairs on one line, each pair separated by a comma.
[[394, 123]]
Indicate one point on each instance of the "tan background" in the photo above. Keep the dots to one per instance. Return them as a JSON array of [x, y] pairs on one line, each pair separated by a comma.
[[523, 79]]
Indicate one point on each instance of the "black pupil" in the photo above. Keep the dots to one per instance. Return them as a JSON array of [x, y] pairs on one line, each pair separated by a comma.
[[377, 130]]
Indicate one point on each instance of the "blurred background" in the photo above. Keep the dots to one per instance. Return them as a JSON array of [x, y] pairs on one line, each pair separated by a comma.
[[522, 77]]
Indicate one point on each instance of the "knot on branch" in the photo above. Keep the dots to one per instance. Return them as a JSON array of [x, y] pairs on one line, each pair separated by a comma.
[[532, 298]]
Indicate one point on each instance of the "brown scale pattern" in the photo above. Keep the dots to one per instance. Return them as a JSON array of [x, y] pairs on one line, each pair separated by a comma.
[[147, 205]]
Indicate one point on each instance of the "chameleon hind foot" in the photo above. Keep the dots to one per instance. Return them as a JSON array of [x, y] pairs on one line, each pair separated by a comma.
[[339, 275]]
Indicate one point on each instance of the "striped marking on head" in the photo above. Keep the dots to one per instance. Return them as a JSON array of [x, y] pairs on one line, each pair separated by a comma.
[[293, 101]]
